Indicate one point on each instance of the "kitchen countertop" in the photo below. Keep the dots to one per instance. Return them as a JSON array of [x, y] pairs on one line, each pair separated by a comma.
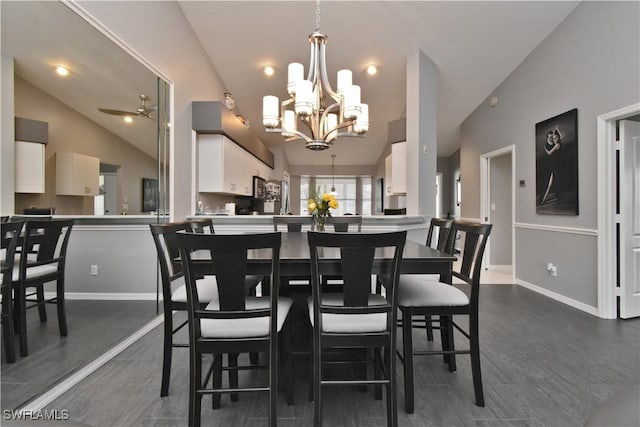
[[372, 220]]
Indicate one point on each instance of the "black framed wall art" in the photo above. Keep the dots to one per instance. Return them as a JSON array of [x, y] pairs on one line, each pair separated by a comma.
[[149, 194], [557, 165]]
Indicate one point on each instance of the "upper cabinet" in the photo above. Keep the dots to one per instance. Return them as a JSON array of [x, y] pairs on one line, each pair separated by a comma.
[[29, 167], [31, 139], [399, 168], [77, 175], [223, 166], [387, 175]]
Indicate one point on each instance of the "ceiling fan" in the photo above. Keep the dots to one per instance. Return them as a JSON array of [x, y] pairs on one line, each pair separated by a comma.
[[143, 110]]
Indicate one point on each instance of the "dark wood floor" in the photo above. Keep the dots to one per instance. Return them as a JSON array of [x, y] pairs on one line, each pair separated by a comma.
[[544, 364], [94, 326]]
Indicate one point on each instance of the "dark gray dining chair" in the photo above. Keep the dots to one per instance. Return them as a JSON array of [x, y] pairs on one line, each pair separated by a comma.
[[234, 323], [355, 318], [10, 239], [420, 297], [43, 256]]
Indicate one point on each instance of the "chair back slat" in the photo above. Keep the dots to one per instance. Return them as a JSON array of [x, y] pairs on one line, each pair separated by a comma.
[[357, 264], [442, 227], [357, 253], [10, 239], [341, 223], [230, 266], [293, 223], [46, 239], [202, 225], [475, 241], [164, 238], [228, 262]]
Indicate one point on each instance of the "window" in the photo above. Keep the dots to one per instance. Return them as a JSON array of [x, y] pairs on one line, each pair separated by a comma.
[[350, 199]]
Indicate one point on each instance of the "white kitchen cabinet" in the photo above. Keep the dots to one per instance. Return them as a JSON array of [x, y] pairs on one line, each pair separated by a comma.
[[29, 167], [77, 174], [399, 168], [387, 175], [223, 166]]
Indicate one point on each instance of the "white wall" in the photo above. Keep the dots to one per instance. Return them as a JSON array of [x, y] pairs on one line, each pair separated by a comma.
[[159, 32], [590, 62], [7, 154]]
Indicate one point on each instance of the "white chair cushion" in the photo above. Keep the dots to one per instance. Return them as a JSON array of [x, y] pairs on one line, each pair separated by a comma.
[[207, 290], [350, 323], [34, 272], [416, 292], [244, 328]]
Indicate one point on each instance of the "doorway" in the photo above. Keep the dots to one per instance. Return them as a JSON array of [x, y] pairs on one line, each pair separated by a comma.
[[618, 174], [497, 205], [439, 195]]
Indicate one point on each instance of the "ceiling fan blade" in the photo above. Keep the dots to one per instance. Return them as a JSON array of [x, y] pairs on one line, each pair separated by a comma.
[[117, 112]]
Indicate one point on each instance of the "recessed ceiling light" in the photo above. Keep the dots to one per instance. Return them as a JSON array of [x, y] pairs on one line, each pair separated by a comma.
[[128, 119], [268, 70], [62, 71], [372, 69]]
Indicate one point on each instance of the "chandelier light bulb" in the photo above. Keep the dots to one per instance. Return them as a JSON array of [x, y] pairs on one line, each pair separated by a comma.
[[372, 70], [344, 80], [362, 122], [332, 122], [304, 98], [351, 102], [289, 123], [295, 74], [270, 114]]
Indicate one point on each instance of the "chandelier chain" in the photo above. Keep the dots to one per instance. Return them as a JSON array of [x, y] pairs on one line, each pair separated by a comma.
[[318, 16]]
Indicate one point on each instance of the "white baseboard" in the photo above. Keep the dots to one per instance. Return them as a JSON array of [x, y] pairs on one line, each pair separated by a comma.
[[558, 297]]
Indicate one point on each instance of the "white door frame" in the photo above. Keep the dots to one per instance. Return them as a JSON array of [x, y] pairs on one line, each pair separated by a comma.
[[607, 243], [485, 194]]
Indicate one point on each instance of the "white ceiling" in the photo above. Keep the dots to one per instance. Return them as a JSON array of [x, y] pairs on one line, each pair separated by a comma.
[[476, 45], [42, 35]]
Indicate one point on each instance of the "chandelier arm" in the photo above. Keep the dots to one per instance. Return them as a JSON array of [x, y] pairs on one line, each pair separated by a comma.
[[312, 62], [308, 124], [330, 109], [295, 132], [323, 72]]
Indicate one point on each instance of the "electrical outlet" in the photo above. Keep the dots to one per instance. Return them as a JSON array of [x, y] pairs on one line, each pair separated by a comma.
[[94, 270]]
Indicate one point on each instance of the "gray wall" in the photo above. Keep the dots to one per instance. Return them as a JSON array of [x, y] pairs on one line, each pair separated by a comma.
[[500, 191], [590, 62]]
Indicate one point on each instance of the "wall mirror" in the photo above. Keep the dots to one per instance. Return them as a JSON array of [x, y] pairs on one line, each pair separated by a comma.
[[111, 107]]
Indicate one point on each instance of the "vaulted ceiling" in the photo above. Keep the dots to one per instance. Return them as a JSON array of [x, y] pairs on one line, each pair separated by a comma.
[[475, 45]]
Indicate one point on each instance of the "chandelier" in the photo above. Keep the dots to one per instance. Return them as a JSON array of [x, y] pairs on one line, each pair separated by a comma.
[[325, 114]]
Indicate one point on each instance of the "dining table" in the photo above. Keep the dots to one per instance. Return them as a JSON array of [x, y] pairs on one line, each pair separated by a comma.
[[295, 259]]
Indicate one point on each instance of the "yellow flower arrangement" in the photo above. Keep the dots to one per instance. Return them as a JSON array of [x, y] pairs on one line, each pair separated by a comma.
[[321, 208]]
